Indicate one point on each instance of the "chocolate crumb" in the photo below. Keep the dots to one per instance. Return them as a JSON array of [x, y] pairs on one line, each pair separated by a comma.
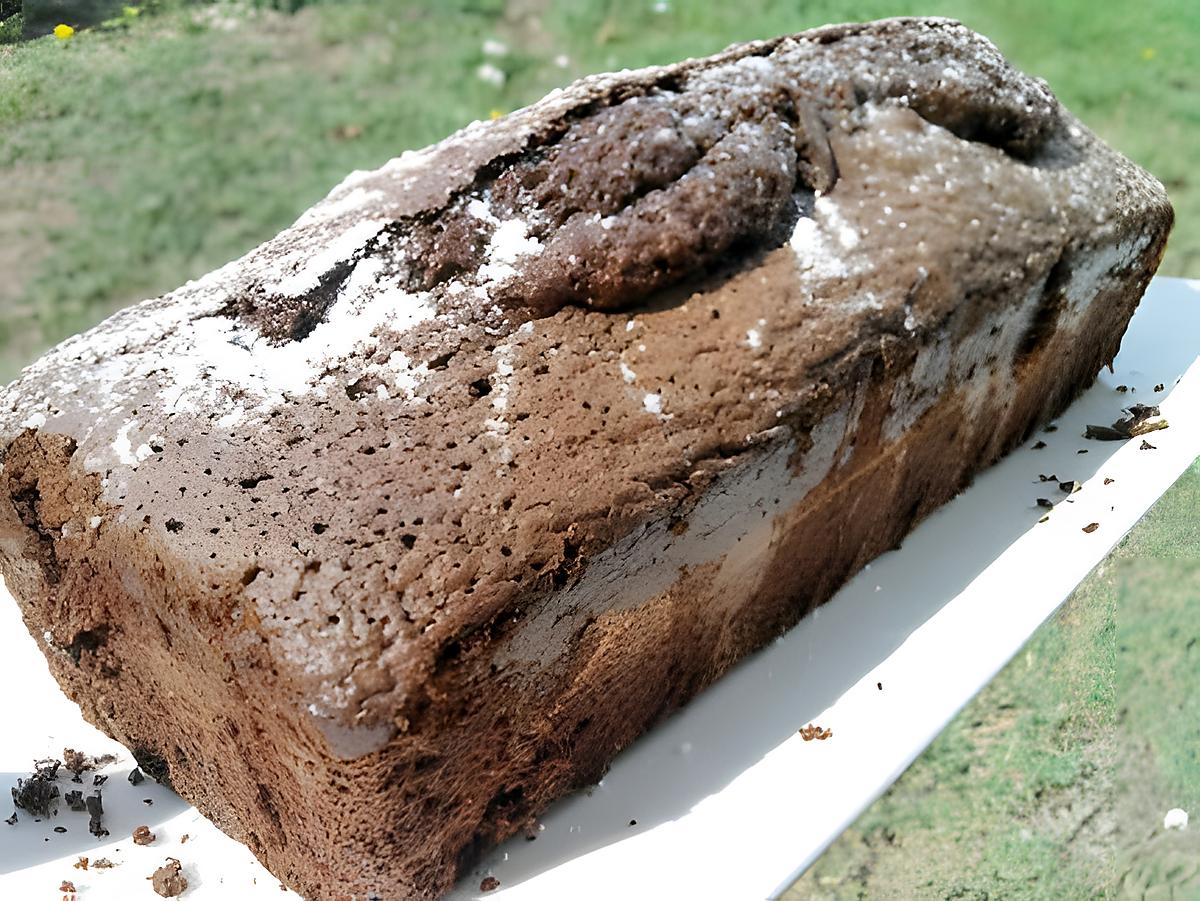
[[67, 886], [1039, 445], [1146, 445], [74, 800], [12, 820], [1070, 487], [1160, 387], [1091, 527], [489, 884], [1049, 478], [103, 863], [1082, 450], [1144, 428], [136, 777], [1045, 502], [99, 779], [149, 802], [809, 732], [1045, 518], [1109, 481], [1122, 388], [879, 685], [76, 761], [61, 830], [143, 836], [183, 838], [1050, 428], [82, 863], [633, 822], [167, 880]]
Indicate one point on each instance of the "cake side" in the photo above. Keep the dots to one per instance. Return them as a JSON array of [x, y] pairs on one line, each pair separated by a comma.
[[448, 483]]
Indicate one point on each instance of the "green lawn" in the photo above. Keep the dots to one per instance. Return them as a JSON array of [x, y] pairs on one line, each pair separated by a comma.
[[148, 152]]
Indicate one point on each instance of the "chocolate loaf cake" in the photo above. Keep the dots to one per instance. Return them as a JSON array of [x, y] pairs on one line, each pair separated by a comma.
[[378, 540]]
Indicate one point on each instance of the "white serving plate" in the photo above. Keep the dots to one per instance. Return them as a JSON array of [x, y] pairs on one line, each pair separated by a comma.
[[730, 802]]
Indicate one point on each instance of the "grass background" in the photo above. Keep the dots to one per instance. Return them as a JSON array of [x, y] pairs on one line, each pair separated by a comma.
[[161, 144]]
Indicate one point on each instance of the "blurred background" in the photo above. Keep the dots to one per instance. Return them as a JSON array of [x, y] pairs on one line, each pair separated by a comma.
[[143, 144]]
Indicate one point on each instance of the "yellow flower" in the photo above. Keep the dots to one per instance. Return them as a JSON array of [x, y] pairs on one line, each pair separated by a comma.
[[1148, 53], [63, 32], [495, 114]]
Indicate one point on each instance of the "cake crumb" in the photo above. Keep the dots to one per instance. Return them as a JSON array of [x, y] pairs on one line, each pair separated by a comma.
[[809, 732], [167, 880], [143, 836], [1091, 527], [489, 884], [1146, 445], [1108, 481], [81, 864], [1039, 445], [103, 863], [67, 886]]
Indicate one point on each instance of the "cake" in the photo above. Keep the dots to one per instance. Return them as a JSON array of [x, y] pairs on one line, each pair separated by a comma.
[[378, 540]]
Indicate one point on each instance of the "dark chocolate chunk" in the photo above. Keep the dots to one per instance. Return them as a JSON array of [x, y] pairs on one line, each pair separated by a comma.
[[1045, 502], [99, 779], [1091, 527], [1071, 487], [1159, 387], [74, 800], [136, 777], [1122, 388], [1082, 450], [38, 793], [1146, 445], [12, 820], [95, 809], [1050, 428], [1103, 433], [1039, 445], [489, 884]]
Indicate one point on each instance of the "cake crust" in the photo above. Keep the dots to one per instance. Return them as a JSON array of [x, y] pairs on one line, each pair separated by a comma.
[[384, 536]]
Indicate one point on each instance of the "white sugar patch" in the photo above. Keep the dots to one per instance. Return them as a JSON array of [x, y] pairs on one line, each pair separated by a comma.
[[653, 403], [627, 374], [509, 242]]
